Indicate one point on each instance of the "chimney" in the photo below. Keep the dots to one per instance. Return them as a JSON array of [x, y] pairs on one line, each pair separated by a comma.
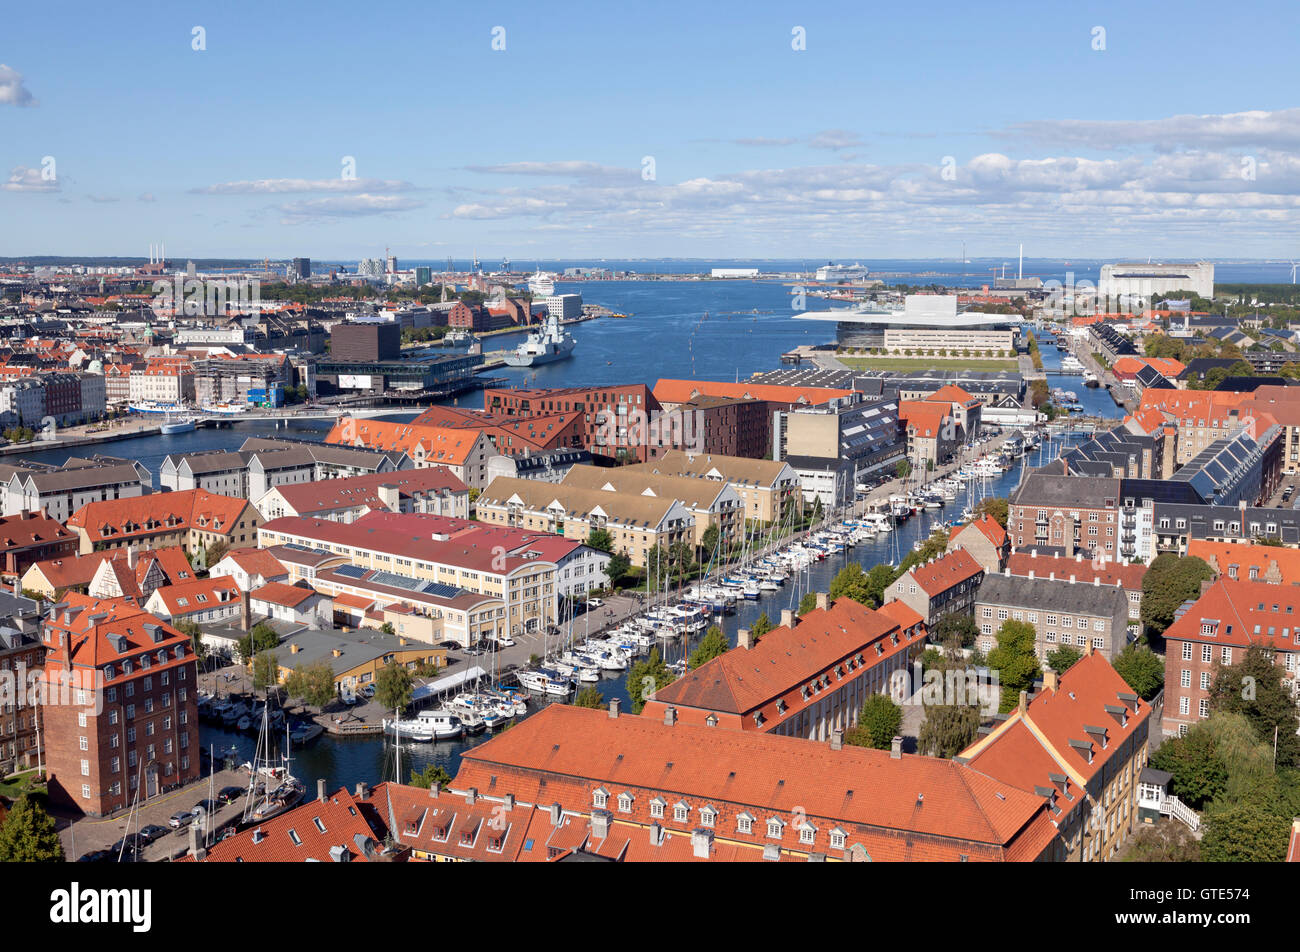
[[1050, 679], [600, 824], [435, 789], [613, 708], [509, 802], [293, 648], [788, 618], [557, 814], [670, 716], [701, 843], [1024, 702], [837, 739], [245, 612], [896, 748], [1071, 579], [320, 789], [1006, 572], [1031, 575], [338, 652], [195, 849], [656, 834], [471, 795], [823, 600], [743, 639], [1078, 556], [363, 790], [130, 557], [1051, 576]]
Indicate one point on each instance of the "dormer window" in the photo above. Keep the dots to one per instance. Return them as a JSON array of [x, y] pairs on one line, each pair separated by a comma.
[[775, 828], [744, 823], [838, 838], [657, 808], [807, 834], [708, 816], [681, 812], [600, 798], [625, 803]]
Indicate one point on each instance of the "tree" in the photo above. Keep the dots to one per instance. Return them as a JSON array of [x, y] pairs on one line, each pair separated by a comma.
[[1199, 774], [955, 626], [266, 669], [1063, 658], [262, 638], [1253, 687], [808, 603], [762, 625], [387, 628], [28, 834], [393, 687], [995, 507], [1167, 842], [1142, 670], [1169, 581], [589, 696], [878, 723], [601, 539], [1015, 661], [709, 541], [646, 677], [619, 565], [933, 547], [195, 634], [948, 729], [713, 644], [215, 552], [864, 588], [1244, 833], [314, 683], [430, 775], [903, 469]]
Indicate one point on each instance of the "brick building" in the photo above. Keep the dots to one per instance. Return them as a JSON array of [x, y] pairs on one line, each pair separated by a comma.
[[939, 587], [141, 733], [21, 653], [370, 341], [1084, 615], [1228, 618], [31, 537], [604, 423]]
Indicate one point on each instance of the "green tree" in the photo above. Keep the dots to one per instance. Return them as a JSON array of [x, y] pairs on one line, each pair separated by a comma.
[[1063, 658], [996, 507], [1169, 581], [619, 565], [393, 687], [948, 729], [387, 628], [314, 683], [601, 539], [1142, 670], [713, 643], [903, 469], [1199, 774], [1015, 661], [589, 696], [762, 625], [1244, 833], [430, 775], [956, 626], [808, 603], [266, 669], [645, 677], [195, 634], [1253, 687], [878, 723], [933, 547], [1168, 842], [262, 638], [709, 541], [28, 834], [865, 588]]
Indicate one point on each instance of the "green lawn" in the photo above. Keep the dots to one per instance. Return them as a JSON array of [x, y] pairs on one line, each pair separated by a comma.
[[928, 363], [13, 787]]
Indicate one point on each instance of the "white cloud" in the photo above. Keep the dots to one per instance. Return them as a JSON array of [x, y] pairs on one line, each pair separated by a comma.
[[350, 206], [288, 185], [1278, 129], [12, 90], [23, 179]]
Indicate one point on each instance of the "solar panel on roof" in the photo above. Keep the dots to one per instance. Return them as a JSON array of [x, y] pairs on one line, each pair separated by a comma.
[[351, 571]]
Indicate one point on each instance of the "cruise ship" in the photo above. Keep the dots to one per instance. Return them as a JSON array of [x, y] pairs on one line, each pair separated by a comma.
[[544, 346], [541, 284], [841, 272]]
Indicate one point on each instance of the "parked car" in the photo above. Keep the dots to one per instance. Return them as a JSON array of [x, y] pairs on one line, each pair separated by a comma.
[[230, 794], [206, 806], [505, 642], [179, 820], [449, 645], [152, 832], [368, 691], [595, 603]]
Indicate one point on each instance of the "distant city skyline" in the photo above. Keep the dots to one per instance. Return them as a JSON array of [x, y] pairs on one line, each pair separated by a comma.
[[758, 132]]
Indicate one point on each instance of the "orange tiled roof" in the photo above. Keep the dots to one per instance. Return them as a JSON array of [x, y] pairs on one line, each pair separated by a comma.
[[158, 513], [683, 391], [987, 526], [943, 573], [278, 593], [343, 821], [1248, 556]]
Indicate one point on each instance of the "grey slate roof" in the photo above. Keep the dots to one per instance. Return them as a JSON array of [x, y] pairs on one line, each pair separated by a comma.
[[1045, 489], [1081, 598]]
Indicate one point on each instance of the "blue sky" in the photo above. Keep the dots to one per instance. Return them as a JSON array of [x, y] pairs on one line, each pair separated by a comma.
[[898, 131]]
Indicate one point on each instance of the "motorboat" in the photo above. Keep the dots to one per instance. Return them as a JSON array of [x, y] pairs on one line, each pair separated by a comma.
[[409, 730], [546, 681], [443, 725]]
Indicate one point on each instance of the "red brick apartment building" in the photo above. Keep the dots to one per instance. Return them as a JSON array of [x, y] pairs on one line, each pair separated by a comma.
[[144, 734], [604, 412], [807, 678], [1227, 618], [32, 537]]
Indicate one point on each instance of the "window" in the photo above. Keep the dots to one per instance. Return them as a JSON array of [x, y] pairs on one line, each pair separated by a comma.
[[1226, 655], [708, 816], [1051, 619], [600, 798], [1207, 653], [1205, 707], [1098, 625], [85, 743], [807, 834], [1081, 640], [1205, 681], [1185, 679], [1187, 651], [744, 823], [657, 808], [1184, 705], [681, 812], [625, 803], [774, 828], [1099, 644], [837, 839]]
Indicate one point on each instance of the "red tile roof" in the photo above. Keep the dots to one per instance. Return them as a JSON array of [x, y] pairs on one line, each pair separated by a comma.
[[987, 526], [903, 808], [88, 626], [158, 513], [278, 593], [683, 391], [328, 495], [199, 595], [29, 529], [255, 561], [1263, 559], [1129, 577], [345, 825], [951, 568], [1242, 613]]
